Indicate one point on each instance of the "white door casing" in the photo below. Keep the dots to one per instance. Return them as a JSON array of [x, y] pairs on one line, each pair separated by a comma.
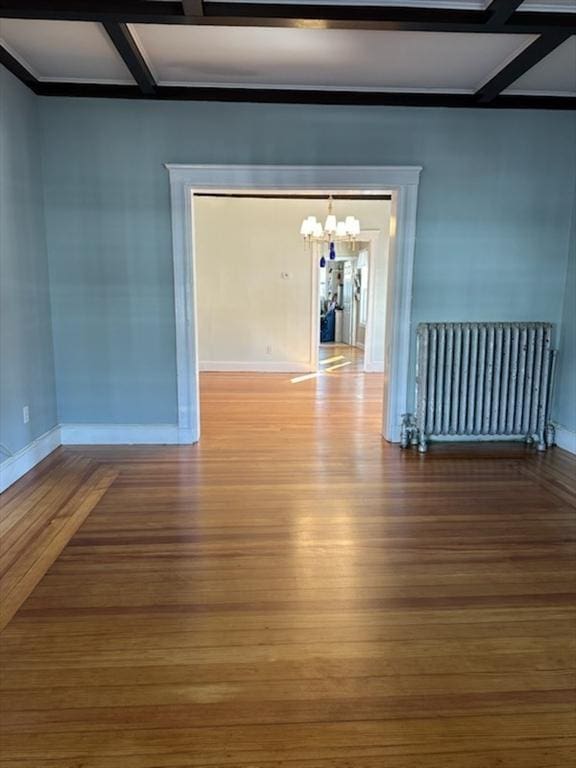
[[347, 294], [401, 181]]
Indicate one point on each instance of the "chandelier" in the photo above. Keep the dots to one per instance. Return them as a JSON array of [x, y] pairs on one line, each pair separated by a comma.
[[332, 232]]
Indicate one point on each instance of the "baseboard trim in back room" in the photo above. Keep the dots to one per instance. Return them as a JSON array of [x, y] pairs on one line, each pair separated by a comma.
[[230, 366]]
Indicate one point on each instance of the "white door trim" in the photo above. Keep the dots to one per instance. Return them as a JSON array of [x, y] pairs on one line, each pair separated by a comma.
[[315, 306], [373, 238], [401, 181]]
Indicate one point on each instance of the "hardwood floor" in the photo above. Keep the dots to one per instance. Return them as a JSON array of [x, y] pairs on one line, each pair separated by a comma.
[[295, 593], [38, 518], [343, 358]]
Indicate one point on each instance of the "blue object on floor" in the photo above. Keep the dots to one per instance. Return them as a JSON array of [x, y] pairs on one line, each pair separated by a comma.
[[328, 327]]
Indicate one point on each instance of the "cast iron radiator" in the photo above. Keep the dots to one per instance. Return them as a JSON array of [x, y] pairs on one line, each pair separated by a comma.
[[492, 379]]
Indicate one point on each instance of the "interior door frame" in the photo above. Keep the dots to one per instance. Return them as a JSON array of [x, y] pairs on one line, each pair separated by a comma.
[[372, 238], [400, 181]]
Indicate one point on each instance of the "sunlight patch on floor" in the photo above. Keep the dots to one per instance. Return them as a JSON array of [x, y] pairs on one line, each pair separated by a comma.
[[318, 374], [340, 365], [331, 360], [306, 377]]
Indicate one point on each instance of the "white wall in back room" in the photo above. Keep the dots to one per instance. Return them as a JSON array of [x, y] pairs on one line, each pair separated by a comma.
[[254, 280]]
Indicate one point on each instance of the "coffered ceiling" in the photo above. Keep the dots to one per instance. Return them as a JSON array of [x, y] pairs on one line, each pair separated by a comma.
[[421, 52]]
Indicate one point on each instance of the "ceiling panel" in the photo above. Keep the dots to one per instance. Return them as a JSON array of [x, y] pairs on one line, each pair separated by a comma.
[[65, 50], [549, 6], [312, 58], [555, 74]]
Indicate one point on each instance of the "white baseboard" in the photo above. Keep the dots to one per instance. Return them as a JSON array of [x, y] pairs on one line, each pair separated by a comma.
[[254, 367], [16, 466], [565, 438], [375, 366], [119, 434]]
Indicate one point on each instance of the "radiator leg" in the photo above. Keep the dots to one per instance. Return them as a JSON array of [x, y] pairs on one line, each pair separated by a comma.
[[541, 445], [423, 443], [550, 435], [405, 431], [529, 439]]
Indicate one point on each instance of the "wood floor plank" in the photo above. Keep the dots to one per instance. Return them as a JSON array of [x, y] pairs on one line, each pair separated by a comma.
[[523, 757], [317, 739], [293, 592], [33, 540]]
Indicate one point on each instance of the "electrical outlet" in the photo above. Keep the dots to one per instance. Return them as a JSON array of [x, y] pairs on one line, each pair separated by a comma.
[[26, 414]]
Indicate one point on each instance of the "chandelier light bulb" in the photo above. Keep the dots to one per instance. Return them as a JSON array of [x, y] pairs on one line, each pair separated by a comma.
[[330, 225], [308, 226]]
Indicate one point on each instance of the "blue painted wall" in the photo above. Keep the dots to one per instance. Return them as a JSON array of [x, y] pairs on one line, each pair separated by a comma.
[[564, 411], [492, 239], [26, 359]]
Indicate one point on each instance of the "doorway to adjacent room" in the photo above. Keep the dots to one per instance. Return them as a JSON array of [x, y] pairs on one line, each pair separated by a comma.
[[401, 183], [351, 304]]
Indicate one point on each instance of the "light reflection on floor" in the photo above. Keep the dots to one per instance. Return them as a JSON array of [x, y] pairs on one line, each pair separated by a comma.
[[306, 377], [336, 365], [340, 365]]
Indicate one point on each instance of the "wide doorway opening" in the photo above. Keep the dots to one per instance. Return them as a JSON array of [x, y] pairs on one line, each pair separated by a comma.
[[284, 315]]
